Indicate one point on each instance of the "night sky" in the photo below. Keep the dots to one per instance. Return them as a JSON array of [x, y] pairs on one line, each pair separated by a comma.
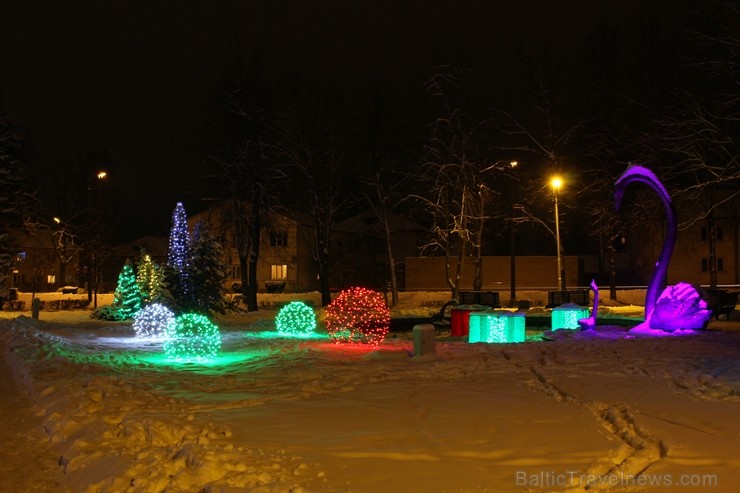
[[135, 78]]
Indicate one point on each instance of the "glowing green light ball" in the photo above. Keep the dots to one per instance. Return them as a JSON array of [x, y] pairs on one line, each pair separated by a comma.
[[152, 321], [358, 315], [296, 319], [192, 337]]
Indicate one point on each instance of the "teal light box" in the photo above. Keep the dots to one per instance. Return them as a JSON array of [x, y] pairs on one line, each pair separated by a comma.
[[496, 326], [566, 316]]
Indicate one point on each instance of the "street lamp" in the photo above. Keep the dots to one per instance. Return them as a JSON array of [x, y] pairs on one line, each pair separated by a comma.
[[556, 183], [92, 281]]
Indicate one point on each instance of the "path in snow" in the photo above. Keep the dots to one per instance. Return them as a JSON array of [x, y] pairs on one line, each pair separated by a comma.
[[28, 460]]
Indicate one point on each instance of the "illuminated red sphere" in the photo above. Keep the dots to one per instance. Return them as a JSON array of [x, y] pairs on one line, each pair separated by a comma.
[[358, 315]]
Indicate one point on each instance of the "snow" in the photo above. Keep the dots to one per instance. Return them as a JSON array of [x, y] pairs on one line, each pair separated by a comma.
[[92, 408]]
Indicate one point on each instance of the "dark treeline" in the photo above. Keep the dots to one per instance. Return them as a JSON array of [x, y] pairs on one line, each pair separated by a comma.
[[661, 90]]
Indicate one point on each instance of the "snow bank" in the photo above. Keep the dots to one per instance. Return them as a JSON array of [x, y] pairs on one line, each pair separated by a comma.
[[276, 414]]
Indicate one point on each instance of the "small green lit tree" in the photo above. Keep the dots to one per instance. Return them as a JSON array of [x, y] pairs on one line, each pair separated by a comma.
[[127, 298]]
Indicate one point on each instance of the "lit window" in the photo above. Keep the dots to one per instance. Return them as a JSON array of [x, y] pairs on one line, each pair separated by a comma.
[[21, 256], [51, 279], [279, 272]]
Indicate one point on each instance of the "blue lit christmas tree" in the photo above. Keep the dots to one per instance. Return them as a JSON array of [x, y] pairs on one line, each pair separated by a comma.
[[179, 250], [178, 257]]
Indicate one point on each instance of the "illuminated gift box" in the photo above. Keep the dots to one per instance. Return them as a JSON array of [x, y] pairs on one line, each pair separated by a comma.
[[460, 318], [566, 316], [496, 326]]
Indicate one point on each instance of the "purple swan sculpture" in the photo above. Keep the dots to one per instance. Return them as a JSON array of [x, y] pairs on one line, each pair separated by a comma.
[[679, 306], [589, 323]]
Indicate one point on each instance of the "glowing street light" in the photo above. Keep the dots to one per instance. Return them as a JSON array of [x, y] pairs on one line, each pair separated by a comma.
[[556, 182]]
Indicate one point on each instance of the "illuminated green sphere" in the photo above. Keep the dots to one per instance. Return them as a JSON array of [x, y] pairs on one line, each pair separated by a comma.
[[358, 315], [192, 337], [152, 321], [296, 319]]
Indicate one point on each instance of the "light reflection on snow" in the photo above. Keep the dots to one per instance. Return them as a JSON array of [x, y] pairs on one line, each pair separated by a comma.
[[126, 350]]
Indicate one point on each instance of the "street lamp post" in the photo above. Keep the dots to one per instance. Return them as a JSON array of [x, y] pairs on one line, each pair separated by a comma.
[[92, 281], [556, 183]]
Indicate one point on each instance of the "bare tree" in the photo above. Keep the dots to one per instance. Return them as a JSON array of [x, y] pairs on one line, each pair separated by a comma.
[[699, 132], [242, 154], [387, 182], [450, 175], [315, 153]]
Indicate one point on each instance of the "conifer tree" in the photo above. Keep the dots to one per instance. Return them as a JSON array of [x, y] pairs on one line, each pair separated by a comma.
[[175, 272], [127, 297], [179, 246], [206, 273], [12, 193], [148, 278]]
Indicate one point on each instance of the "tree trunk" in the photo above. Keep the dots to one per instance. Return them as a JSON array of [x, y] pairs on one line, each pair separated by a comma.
[[712, 237], [612, 273], [324, 282], [255, 228], [512, 263], [391, 262], [478, 264]]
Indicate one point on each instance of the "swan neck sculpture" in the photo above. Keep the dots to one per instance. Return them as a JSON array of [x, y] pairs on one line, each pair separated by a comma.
[[679, 306], [640, 174]]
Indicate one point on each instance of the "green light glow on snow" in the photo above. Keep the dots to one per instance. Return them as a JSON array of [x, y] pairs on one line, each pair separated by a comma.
[[126, 353], [192, 338], [296, 319], [218, 361]]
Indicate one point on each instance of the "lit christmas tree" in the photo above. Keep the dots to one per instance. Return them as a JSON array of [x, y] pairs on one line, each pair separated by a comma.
[[179, 250], [175, 272], [149, 278], [127, 298], [206, 273]]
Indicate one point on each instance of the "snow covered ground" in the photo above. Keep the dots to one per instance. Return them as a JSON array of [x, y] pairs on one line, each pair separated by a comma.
[[90, 408]]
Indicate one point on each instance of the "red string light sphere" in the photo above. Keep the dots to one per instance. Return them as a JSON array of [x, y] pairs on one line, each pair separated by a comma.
[[358, 315]]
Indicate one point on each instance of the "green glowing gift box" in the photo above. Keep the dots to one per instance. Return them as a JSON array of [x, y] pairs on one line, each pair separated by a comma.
[[566, 316], [494, 326]]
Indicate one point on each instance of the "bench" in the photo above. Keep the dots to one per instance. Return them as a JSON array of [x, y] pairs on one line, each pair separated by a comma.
[[722, 302], [485, 298], [577, 296]]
